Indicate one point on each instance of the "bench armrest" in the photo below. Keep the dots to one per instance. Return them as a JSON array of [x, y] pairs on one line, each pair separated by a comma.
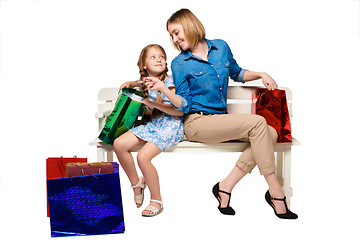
[[103, 114]]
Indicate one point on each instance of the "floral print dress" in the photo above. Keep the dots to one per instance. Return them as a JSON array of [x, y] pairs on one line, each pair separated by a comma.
[[165, 131]]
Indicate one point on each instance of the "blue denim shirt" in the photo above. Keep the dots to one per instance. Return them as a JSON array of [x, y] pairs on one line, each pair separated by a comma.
[[202, 85]]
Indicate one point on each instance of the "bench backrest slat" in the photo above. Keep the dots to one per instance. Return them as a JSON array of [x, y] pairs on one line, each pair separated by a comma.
[[239, 100]]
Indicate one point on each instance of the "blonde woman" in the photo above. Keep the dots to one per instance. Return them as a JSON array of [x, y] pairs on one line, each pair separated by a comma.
[[201, 73], [163, 130]]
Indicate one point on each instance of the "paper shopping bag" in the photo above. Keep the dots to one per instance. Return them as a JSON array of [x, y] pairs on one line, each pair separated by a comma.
[[83, 169], [85, 205], [272, 105], [123, 116], [56, 168]]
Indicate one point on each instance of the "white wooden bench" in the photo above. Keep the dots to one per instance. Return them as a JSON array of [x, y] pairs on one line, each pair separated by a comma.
[[239, 101]]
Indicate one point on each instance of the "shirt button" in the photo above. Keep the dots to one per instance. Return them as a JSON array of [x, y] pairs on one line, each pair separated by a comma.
[[217, 75]]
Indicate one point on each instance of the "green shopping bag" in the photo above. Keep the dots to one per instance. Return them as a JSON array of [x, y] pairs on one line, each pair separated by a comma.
[[124, 115]]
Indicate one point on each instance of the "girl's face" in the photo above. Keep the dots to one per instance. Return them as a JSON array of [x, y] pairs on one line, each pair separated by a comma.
[[177, 35], [155, 62]]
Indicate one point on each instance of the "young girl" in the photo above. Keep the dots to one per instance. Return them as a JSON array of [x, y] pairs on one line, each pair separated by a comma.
[[163, 131]]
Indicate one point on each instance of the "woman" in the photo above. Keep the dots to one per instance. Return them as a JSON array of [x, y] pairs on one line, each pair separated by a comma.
[[201, 72]]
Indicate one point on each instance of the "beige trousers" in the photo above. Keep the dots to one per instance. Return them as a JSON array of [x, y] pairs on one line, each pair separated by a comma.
[[243, 127]]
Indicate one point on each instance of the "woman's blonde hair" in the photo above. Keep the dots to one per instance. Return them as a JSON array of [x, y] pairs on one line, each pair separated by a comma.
[[193, 29], [144, 73]]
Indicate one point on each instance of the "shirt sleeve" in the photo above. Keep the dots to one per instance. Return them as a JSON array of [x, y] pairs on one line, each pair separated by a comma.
[[169, 82], [236, 73], [181, 87]]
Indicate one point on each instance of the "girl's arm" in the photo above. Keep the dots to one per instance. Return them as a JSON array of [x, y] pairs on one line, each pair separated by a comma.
[[166, 108], [269, 83], [130, 84], [155, 84]]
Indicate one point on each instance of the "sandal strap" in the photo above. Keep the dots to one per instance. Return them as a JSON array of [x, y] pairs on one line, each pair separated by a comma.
[[279, 199], [139, 184], [283, 200], [152, 209], [139, 199], [225, 192], [157, 201]]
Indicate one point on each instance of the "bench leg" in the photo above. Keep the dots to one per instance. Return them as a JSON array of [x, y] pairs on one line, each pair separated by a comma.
[[104, 155], [100, 154], [109, 156], [279, 167], [287, 176], [283, 173]]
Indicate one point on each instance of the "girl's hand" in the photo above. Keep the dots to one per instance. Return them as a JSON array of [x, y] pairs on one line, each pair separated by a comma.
[[148, 103], [269, 83], [130, 84], [154, 83]]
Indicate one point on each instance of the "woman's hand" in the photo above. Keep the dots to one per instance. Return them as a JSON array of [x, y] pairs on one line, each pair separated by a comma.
[[268, 82], [154, 83]]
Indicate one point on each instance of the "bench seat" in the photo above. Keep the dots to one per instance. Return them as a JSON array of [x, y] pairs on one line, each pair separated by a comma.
[[239, 101]]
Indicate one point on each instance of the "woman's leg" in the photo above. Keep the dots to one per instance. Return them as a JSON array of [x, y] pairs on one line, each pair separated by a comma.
[[244, 165], [229, 183], [245, 127], [276, 191], [144, 157], [122, 146]]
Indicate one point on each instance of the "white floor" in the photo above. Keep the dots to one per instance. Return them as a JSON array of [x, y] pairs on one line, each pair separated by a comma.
[[190, 210]]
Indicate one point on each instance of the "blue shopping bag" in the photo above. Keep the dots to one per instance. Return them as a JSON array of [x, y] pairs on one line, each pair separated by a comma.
[[85, 205]]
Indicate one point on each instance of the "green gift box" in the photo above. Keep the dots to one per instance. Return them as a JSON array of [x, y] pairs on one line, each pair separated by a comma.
[[124, 116]]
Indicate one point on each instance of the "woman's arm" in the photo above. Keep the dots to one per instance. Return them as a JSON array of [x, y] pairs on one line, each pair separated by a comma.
[[268, 82], [243, 75]]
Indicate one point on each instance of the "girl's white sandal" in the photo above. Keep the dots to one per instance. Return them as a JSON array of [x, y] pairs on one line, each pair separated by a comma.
[[139, 199], [154, 211]]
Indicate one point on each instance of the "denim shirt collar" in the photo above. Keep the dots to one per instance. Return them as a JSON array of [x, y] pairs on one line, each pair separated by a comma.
[[188, 54]]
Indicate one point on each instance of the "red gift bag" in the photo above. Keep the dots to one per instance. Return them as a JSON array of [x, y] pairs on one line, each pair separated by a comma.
[[272, 105], [56, 168]]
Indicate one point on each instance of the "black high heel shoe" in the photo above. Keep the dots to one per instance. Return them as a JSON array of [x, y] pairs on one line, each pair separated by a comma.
[[287, 215], [226, 210]]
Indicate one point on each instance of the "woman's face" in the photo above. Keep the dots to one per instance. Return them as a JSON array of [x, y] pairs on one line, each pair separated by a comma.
[[177, 35], [155, 62]]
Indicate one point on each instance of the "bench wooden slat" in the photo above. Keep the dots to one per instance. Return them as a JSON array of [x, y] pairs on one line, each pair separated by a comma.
[[108, 94], [234, 92], [186, 146], [236, 107], [238, 92]]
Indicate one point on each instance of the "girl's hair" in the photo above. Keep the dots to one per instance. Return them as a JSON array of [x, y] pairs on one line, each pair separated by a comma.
[[193, 29], [143, 73]]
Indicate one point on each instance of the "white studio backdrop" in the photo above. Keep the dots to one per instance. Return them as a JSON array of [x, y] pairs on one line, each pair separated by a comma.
[[56, 55]]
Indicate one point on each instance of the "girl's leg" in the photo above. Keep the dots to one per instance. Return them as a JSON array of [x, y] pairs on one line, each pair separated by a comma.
[[144, 157], [122, 146]]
